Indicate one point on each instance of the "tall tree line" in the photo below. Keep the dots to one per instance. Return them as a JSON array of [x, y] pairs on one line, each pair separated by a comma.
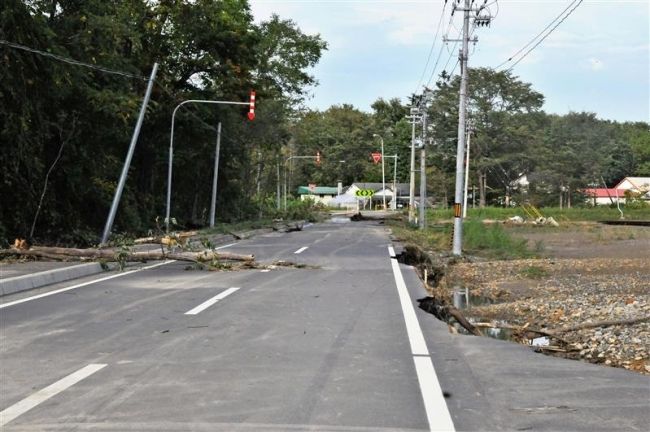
[[511, 137], [65, 129]]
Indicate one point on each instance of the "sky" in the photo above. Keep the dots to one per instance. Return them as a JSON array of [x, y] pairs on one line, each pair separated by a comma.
[[597, 60]]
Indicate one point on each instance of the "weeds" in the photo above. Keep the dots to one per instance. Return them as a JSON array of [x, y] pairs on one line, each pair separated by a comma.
[[493, 241], [534, 272], [598, 213]]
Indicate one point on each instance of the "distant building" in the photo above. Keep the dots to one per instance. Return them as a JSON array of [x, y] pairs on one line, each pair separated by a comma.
[[638, 186], [400, 193], [319, 194], [346, 197]]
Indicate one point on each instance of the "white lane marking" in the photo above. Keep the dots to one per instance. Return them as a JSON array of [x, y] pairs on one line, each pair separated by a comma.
[[416, 338], [206, 304], [2, 306], [41, 396], [265, 271], [225, 246], [302, 249], [435, 406], [434, 402], [391, 251]]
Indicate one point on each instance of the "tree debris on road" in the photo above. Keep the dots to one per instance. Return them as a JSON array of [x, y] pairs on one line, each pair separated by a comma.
[[63, 254]]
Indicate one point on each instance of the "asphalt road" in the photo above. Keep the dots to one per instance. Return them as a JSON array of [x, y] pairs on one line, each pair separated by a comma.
[[338, 346]]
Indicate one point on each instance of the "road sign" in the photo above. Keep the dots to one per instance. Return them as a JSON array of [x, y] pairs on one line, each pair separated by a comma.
[[376, 157], [251, 110], [364, 193]]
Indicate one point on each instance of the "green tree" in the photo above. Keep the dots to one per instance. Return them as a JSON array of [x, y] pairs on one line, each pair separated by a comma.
[[499, 107]]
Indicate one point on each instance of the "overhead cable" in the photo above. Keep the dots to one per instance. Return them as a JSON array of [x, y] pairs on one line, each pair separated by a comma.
[[435, 39], [560, 17], [71, 61]]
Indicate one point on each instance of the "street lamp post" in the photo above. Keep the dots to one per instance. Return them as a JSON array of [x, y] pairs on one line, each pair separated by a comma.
[[171, 149], [383, 173], [394, 201]]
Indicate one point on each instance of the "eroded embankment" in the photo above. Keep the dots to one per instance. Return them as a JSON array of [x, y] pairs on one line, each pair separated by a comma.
[[578, 309]]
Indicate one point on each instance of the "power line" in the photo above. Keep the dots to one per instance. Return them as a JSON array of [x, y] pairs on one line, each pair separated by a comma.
[[435, 67], [554, 21], [71, 61], [435, 39]]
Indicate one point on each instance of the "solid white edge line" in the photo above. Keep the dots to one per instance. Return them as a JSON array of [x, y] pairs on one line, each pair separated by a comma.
[[391, 251], [416, 338], [4, 305], [41, 396], [206, 304], [435, 405], [301, 250], [434, 402]]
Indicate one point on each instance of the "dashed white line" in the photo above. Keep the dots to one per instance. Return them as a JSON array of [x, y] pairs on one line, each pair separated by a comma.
[[302, 249], [206, 304], [41, 396], [225, 246], [4, 305], [434, 401]]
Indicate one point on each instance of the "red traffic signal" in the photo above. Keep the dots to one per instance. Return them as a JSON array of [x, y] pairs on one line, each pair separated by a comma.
[[251, 109]]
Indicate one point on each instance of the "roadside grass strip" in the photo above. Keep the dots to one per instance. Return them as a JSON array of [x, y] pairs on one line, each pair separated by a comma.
[[435, 406], [206, 304], [41, 396]]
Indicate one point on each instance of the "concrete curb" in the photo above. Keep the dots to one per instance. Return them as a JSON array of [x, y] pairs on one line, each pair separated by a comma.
[[36, 280]]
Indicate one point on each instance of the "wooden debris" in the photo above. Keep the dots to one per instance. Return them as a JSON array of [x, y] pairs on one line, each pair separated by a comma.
[[59, 253], [605, 323]]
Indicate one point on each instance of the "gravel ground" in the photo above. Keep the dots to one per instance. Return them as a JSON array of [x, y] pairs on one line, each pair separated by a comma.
[[555, 294]]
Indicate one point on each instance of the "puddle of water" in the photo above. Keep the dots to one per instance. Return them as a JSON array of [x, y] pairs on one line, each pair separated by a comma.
[[338, 219], [506, 334], [541, 341], [498, 333], [460, 299]]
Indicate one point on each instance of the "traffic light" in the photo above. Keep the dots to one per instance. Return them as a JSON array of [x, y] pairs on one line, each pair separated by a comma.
[[251, 109]]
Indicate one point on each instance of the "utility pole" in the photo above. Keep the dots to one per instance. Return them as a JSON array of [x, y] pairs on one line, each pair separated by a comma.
[[469, 136], [414, 118], [423, 172], [213, 204], [277, 172], [129, 156], [480, 20]]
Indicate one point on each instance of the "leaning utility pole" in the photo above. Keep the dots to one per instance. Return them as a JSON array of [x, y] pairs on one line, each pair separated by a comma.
[[127, 163], [462, 115]]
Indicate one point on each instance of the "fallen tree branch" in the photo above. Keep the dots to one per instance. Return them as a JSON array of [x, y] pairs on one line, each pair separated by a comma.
[[443, 312], [112, 255], [523, 331]]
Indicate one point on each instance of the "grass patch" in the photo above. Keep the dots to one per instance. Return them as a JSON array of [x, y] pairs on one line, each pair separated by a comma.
[[534, 272], [561, 215], [436, 237], [489, 241], [493, 241]]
